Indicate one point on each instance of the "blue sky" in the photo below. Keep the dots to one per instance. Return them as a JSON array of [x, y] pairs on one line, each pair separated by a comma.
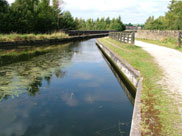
[[134, 11]]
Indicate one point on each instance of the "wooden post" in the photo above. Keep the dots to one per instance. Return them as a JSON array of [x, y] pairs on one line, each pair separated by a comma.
[[133, 38], [128, 38], [118, 36], [123, 36], [179, 39]]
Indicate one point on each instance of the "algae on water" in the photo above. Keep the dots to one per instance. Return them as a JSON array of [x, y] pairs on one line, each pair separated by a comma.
[[27, 76]]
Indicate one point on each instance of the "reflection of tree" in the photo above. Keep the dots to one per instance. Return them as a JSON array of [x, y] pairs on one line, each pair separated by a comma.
[[60, 74], [28, 75], [34, 87], [48, 79], [3, 95]]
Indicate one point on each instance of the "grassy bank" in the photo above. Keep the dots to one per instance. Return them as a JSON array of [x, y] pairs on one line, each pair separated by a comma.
[[158, 110], [28, 37], [168, 42]]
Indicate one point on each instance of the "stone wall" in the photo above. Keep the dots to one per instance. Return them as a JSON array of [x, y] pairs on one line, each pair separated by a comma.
[[157, 34]]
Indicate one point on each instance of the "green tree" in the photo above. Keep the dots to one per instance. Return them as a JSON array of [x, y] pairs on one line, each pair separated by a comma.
[[67, 21], [149, 23], [57, 10], [129, 24], [24, 13], [100, 24], [172, 19], [90, 24], [47, 17], [159, 23], [27, 16], [155, 24], [116, 24], [174, 15], [4, 16]]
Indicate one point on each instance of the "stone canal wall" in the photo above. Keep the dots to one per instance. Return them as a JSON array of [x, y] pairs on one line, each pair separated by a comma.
[[50, 41], [157, 34], [134, 77]]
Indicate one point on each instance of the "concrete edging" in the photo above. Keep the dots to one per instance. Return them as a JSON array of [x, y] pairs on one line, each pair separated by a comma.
[[135, 78]]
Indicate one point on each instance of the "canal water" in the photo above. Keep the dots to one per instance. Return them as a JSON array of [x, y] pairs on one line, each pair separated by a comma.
[[69, 91]]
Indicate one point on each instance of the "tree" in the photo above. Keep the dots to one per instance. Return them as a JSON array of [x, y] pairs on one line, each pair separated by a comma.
[[172, 19], [38, 16], [149, 23], [24, 13], [67, 21], [174, 15], [4, 13], [47, 17], [116, 24], [155, 24], [159, 23], [27, 16], [100, 24], [57, 10], [129, 24]]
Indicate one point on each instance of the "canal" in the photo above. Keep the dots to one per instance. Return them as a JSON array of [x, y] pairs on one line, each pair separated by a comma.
[[69, 91]]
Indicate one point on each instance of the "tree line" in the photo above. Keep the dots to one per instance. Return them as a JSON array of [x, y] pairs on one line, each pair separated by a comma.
[[100, 24], [33, 16], [39, 16], [171, 21]]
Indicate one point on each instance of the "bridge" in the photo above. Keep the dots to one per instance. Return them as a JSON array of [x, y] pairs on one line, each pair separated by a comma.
[[83, 32]]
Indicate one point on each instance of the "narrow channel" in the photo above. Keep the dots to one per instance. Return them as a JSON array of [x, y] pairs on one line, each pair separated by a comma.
[[69, 91]]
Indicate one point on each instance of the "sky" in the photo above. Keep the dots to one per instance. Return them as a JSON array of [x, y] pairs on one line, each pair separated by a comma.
[[131, 11]]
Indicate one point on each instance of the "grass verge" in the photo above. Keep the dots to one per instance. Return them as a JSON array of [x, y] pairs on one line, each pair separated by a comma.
[[168, 42], [29, 37], [159, 113]]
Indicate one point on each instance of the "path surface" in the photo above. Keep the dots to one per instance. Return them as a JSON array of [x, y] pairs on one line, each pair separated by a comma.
[[170, 60]]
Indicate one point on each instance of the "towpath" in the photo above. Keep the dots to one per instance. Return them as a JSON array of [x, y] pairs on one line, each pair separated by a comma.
[[170, 61]]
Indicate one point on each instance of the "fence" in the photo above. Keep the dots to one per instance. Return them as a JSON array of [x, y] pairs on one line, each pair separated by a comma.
[[179, 39], [125, 37]]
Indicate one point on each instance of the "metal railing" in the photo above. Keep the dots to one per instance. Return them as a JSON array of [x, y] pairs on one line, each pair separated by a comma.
[[125, 37]]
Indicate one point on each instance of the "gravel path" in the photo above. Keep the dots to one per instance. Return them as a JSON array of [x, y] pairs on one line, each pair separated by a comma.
[[170, 60]]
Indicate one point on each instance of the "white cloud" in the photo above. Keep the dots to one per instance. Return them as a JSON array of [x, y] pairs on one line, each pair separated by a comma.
[[99, 5], [134, 11], [10, 1]]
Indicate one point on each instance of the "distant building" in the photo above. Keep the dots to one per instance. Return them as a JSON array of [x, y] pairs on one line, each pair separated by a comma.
[[133, 28], [139, 28]]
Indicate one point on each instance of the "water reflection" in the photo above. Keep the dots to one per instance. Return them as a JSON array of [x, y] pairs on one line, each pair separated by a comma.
[[67, 96], [28, 75], [130, 92]]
